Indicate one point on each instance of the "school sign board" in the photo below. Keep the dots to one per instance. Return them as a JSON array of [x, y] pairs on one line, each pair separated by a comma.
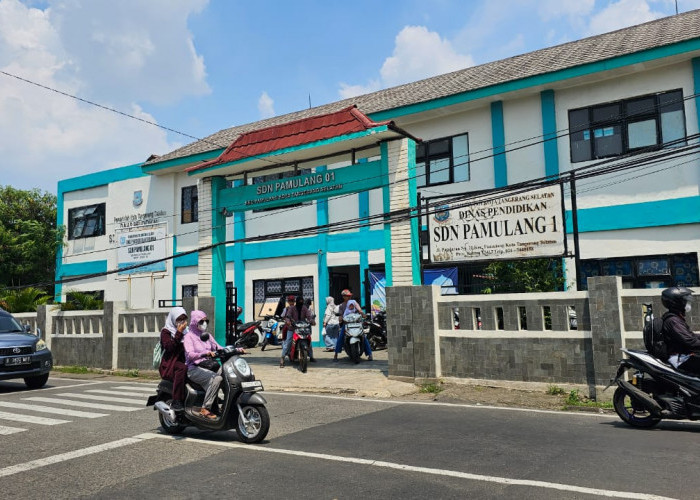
[[140, 246], [518, 226]]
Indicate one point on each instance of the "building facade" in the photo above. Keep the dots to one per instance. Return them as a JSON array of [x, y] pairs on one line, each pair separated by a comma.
[[276, 207]]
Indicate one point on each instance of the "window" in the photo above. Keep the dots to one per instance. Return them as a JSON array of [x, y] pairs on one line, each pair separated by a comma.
[[265, 291], [189, 291], [442, 161], [190, 205], [88, 221], [656, 271], [620, 127]]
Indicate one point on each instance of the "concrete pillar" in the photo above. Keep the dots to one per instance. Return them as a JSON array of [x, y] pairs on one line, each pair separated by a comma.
[[411, 332], [110, 357], [607, 327]]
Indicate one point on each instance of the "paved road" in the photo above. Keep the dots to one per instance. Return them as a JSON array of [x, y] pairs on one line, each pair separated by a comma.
[[93, 438]]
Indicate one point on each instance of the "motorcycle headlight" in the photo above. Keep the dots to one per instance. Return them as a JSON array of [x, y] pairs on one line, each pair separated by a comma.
[[40, 346], [242, 366]]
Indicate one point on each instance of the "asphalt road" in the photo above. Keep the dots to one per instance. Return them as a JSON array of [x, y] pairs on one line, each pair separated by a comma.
[[330, 447]]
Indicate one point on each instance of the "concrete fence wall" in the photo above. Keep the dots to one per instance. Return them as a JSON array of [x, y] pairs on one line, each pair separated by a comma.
[[517, 337]]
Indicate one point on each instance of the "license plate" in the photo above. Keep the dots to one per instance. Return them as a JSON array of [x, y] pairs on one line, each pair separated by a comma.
[[255, 385], [19, 360]]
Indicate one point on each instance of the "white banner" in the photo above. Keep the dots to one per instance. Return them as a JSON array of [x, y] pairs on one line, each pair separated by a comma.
[[516, 226], [143, 245]]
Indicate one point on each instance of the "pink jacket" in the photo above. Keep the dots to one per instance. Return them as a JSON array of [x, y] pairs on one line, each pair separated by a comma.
[[197, 349]]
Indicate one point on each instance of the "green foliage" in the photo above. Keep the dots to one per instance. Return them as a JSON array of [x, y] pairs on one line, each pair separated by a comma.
[[431, 388], [555, 390], [81, 301], [29, 237], [23, 300], [575, 399], [72, 369], [531, 275]]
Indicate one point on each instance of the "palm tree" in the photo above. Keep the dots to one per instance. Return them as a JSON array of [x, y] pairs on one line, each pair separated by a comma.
[[81, 301], [23, 300]]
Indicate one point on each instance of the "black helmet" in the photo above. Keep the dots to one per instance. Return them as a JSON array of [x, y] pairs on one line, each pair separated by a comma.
[[675, 298]]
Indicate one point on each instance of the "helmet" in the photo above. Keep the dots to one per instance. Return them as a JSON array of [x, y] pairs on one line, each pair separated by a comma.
[[291, 298], [346, 293], [675, 298]]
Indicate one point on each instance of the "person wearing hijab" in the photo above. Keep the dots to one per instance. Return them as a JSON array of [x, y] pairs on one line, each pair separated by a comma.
[[172, 366], [200, 347], [331, 325], [296, 311]]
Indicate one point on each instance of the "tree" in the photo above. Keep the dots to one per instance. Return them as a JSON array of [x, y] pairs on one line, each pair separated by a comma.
[[23, 300], [29, 238], [531, 275]]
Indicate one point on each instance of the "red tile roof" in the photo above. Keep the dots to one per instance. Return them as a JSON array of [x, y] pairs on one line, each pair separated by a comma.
[[304, 131]]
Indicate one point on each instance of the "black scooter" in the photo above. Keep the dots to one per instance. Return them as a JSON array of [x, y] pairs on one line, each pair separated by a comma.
[[375, 329], [241, 407], [655, 391]]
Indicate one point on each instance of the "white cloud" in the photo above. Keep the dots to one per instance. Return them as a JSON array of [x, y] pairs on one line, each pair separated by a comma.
[[266, 106], [620, 14], [118, 54], [553, 9], [418, 54]]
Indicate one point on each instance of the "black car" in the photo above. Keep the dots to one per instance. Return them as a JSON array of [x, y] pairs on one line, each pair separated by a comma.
[[22, 354]]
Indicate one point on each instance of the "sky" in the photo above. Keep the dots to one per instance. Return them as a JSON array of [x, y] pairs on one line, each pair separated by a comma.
[[194, 67]]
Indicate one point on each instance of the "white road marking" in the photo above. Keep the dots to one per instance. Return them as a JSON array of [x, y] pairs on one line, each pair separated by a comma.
[[95, 397], [50, 409], [43, 462], [84, 404], [117, 393], [4, 431], [138, 387], [30, 419], [423, 470]]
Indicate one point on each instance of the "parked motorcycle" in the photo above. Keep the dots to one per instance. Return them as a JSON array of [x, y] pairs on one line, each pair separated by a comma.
[[270, 330], [301, 342], [246, 335], [241, 408], [655, 390], [375, 329], [354, 336]]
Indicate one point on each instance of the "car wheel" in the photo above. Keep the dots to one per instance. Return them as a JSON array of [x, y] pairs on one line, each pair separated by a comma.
[[36, 382]]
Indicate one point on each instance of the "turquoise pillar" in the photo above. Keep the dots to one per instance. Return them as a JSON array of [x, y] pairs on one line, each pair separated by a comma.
[[498, 138], [323, 277], [238, 262], [696, 87], [413, 204], [549, 133], [218, 264]]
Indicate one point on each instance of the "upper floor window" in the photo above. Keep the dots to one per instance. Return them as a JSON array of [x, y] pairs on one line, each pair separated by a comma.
[[190, 205], [87, 221], [442, 161], [620, 127]]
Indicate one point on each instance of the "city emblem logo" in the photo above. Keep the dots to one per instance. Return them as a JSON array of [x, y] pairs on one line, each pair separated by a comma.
[[138, 198], [442, 214]]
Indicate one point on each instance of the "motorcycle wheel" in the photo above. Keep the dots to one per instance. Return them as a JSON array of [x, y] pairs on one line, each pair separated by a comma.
[[354, 352], [251, 341], [169, 426], [303, 357], [258, 424], [631, 412]]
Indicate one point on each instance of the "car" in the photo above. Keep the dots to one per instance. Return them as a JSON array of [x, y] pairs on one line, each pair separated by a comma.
[[22, 354]]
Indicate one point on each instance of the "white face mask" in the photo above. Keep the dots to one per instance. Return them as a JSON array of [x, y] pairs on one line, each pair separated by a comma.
[[203, 326]]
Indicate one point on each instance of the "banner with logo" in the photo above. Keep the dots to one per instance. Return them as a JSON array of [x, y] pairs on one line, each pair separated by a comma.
[[524, 225], [143, 245]]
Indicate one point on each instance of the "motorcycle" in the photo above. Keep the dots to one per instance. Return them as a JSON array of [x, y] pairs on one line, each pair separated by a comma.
[[656, 391], [301, 342], [375, 330], [270, 331], [246, 335], [354, 336], [241, 408]]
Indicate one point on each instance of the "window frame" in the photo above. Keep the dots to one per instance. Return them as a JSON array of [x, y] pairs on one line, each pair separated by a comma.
[[95, 214], [193, 291], [427, 158], [189, 193], [636, 278], [596, 128]]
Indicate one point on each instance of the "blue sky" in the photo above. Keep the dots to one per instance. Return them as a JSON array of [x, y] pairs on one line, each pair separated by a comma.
[[198, 66]]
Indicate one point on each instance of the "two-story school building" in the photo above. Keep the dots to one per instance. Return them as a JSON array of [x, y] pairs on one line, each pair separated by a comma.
[[324, 199]]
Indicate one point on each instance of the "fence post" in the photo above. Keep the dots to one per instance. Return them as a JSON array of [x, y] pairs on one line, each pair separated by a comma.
[[607, 337], [43, 322], [109, 336]]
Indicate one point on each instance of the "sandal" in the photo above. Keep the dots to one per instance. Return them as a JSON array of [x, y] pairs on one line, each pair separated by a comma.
[[206, 413]]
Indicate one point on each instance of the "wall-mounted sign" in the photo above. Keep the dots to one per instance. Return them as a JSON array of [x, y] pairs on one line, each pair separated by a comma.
[[137, 220], [142, 245], [302, 188], [523, 225]]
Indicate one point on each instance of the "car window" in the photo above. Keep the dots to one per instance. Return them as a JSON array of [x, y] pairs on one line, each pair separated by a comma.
[[8, 324]]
